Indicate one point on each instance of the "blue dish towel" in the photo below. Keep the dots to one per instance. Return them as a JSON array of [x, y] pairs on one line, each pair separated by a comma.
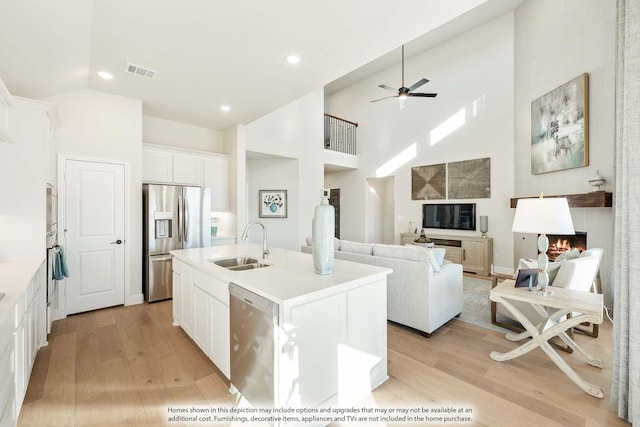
[[60, 270]]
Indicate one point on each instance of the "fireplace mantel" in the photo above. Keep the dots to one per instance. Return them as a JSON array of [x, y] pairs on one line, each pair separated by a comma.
[[595, 199]]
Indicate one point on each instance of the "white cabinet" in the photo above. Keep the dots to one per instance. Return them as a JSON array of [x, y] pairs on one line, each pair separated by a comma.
[[216, 177], [329, 356], [157, 166], [186, 301], [8, 389], [177, 291], [30, 332], [201, 326], [166, 165], [203, 312], [219, 322], [187, 170]]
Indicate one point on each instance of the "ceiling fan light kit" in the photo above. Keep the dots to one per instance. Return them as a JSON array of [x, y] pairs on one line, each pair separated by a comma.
[[404, 92]]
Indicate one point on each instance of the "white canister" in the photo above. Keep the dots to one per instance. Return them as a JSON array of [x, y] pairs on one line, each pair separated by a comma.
[[322, 236]]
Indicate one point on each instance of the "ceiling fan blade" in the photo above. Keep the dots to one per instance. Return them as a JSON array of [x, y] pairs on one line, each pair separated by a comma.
[[424, 95], [376, 100], [388, 88], [417, 84]]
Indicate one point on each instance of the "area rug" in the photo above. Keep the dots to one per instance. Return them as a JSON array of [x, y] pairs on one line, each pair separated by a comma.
[[477, 308]]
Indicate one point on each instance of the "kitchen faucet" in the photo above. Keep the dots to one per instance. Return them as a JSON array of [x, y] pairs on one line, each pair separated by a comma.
[[244, 236]]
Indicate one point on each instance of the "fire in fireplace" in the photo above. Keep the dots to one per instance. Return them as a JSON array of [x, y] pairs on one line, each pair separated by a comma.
[[559, 243]]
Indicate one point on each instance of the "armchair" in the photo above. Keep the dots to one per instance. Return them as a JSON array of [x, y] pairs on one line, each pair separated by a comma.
[[580, 274]]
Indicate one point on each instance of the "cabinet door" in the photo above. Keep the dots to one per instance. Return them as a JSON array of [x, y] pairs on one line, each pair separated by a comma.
[[473, 256], [157, 166], [21, 365], [201, 320], [317, 329], [187, 170], [219, 315], [216, 177], [177, 299], [452, 254], [7, 386], [187, 301]]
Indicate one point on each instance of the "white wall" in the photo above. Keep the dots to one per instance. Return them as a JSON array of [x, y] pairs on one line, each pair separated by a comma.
[[473, 76], [22, 183], [555, 42], [295, 131], [98, 125], [182, 135], [280, 174]]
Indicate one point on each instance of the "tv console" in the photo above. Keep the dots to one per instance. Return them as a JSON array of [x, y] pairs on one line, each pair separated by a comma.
[[474, 253]]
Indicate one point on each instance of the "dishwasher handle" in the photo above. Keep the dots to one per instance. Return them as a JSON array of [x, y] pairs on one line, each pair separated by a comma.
[[258, 302]]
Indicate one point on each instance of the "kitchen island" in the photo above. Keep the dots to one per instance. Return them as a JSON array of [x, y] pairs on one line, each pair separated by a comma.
[[329, 335]]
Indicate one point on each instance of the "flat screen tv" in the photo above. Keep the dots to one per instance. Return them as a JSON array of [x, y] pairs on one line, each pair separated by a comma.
[[450, 216]]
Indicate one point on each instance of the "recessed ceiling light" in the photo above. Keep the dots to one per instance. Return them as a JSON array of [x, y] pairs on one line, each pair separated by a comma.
[[225, 108], [293, 59], [105, 75]]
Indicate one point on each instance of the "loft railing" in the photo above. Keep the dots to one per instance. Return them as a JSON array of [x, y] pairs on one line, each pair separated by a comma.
[[339, 134]]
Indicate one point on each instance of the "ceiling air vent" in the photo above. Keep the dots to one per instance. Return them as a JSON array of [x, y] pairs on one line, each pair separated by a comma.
[[140, 71]]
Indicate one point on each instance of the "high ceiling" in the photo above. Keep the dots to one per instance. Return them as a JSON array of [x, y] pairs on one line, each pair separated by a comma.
[[214, 52]]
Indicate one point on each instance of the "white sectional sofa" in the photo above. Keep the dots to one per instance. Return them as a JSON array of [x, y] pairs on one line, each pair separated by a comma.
[[423, 292]]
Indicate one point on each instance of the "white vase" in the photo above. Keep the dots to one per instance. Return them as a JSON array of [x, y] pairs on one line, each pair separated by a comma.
[[322, 236]]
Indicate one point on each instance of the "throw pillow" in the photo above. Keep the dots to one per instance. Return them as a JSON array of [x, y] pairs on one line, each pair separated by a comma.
[[355, 247], [439, 254]]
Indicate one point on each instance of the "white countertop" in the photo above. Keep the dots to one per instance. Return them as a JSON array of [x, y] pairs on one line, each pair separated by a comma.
[[14, 279], [290, 275]]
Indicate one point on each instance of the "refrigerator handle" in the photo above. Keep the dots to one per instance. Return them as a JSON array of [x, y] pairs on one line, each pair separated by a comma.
[[186, 218], [180, 218]]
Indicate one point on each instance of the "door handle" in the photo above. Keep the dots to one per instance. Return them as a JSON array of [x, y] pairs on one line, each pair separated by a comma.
[[117, 242]]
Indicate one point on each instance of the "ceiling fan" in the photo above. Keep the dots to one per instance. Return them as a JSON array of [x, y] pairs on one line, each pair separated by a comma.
[[404, 92]]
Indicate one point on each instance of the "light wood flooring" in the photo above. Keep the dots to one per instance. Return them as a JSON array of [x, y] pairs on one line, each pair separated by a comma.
[[124, 366]]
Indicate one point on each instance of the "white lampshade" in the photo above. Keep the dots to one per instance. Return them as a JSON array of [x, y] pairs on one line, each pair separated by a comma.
[[548, 215]]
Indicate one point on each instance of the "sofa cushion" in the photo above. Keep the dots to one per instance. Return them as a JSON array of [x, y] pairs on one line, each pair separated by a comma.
[[407, 252], [356, 247], [336, 243]]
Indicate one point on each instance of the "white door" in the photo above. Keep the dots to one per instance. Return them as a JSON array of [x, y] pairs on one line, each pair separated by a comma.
[[94, 209]]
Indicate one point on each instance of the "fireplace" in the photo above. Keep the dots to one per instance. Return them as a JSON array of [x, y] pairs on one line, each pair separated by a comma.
[[559, 243]]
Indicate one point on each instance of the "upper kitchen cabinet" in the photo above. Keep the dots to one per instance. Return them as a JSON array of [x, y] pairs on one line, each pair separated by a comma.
[[167, 165], [6, 102], [216, 177], [164, 165], [187, 169]]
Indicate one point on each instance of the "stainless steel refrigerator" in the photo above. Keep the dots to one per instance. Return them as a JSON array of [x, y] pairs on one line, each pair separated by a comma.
[[175, 217]]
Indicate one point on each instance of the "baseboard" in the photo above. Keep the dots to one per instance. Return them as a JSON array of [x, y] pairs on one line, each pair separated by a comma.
[[134, 299]]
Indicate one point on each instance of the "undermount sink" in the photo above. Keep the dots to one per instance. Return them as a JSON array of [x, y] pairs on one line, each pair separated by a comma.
[[234, 262], [239, 263], [248, 266]]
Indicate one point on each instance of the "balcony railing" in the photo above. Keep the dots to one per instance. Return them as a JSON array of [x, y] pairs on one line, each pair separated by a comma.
[[339, 134]]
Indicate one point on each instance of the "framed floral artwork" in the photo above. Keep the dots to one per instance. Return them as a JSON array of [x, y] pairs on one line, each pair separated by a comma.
[[273, 203]]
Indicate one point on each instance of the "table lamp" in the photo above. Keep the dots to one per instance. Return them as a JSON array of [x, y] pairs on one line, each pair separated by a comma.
[[543, 216]]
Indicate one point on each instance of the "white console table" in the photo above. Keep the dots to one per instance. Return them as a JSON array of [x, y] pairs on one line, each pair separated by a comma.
[[554, 308], [474, 253]]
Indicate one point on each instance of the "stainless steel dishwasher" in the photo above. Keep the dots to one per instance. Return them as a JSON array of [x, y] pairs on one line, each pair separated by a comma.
[[253, 320]]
